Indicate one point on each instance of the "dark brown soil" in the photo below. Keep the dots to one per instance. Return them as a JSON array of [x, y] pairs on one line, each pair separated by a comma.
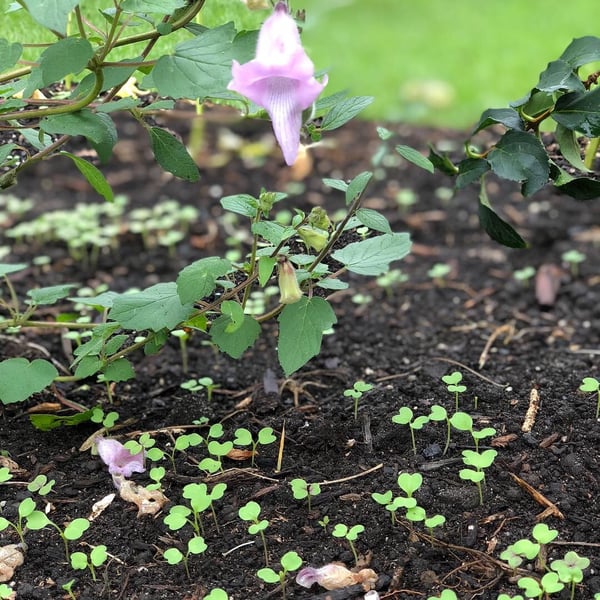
[[403, 342]]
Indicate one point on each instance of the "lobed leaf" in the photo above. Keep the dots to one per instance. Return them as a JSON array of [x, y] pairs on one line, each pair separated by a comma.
[[198, 280]]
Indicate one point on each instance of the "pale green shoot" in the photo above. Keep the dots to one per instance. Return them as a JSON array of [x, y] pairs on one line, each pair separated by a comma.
[[81, 561], [591, 384], [290, 562], [250, 512], [405, 417], [350, 534]]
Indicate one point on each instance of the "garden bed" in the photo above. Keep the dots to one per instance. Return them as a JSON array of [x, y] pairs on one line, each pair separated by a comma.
[[401, 338]]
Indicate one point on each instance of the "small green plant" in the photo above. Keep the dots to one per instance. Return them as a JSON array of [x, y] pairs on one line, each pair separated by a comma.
[[570, 569], [217, 594], [81, 561], [405, 417], [290, 562], [524, 275], [301, 490], [438, 273], [464, 422], [195, 546], [41, 484], [548, 584], [5, 474], [68, 587], [439, 413], [243, 437], [481, 461], [250, 512], [434, 521], [453, 382], [202, 383], [183, 335], [356, 392], [445, 595], [591, 384], [393, 278], [28, 517], [350, 534], [573, 258], [324, 522]]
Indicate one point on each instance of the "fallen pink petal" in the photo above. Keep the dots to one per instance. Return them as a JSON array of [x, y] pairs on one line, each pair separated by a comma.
[[118, 459], [280, 79]]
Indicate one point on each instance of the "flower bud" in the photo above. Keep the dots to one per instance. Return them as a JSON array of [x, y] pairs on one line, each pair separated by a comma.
[[318, 218], [313, 238], [288, 284]]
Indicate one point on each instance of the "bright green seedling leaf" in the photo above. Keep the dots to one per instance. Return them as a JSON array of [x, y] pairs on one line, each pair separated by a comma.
[[445, 595], [471, 475], [173, 556], [409, 483], [374, 255], [154, 308], [93, 175], [404, 416], [591, 384], [197, 545], [434, 521], [479, 460], [543, 534], [64, 57], [20, 379], [5, 474], [52, 14], [301, 327], [98, 555], [79, 561], [266, 436], [172, 155], [415, 514], [415, 157], [217, 594], [462, 421], [177, 517], [268, 575], [570, 568], [76, 528], [198, 280], [383, 499]]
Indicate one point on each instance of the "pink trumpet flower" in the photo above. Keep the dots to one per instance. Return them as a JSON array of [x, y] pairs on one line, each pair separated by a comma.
[[118, 458], [280, 79]]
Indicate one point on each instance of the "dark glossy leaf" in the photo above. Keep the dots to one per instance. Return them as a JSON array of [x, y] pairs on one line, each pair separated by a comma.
[[93, 175], [471, 170], [559, 75], [172, 155], [569, 147], [442, 162], [415, 157], [345, 110], [508, 117], [581, 188], [498, 229], [582, 50], [538, 104], [520, 156], [579, 111]]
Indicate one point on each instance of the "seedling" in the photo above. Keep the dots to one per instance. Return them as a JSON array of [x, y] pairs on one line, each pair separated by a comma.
[[549, 584], [301, 490], [107, 420], [438, 273], [183, 442], [393, 278], [251, 512], [525, 274], [356, 392], [405, 417], [481, 461], [543, 535], [350, 534], [174, 556], [183, 336], [453, 382], [217, 594], [464, 422], [5, 474], [41, 485], [243, 437], [570, 569], [6, 591], [290, 562], [81, 561], [434, 521], [520, 550], [445, 595], [573, 258], [324, 522], [157, 474], [68, 587], [591, 384], [28, 518], [202, 383]]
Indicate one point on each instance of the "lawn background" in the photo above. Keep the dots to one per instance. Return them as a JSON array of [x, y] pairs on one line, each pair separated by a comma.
[[435, 62]]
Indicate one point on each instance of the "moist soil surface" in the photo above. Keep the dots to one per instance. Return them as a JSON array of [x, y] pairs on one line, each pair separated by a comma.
[[513, 354]]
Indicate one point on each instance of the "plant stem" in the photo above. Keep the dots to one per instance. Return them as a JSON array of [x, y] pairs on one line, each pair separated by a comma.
[[590, 153]]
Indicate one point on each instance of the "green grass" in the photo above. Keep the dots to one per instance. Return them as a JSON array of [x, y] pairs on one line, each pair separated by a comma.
[[425, 61]]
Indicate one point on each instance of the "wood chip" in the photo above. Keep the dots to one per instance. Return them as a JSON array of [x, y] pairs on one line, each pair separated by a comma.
[[551, 508], [530, 415]]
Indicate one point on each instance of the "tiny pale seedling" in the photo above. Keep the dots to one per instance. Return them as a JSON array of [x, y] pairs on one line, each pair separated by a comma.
[[525, 274], [350, 534], [570, 569], [454, 385], [549, 584], [573, 258], [356, 392], [97, 557], [243, 437], [301, 490], [202, 383], [481, 461], [439, 413], [174, 556], [290, 562], [591, 384], [438, 273], [405, 417], [434, 521]]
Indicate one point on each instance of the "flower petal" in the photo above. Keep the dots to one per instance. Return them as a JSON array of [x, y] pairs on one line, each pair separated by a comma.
[[118, 459]]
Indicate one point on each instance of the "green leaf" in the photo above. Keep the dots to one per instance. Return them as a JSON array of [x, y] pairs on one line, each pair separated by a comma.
[[235, 312], [373, 220], [301, 327], [357, 186], [157, 307], [268, 575], [52, 14], [579, 111], [51, 294], [47, 422], [9, 54], [471, 170], [67, 56], [241, 204], [345, 110], [442, 162], [559, 75], [520, 156], [198, 280], [121, 104], [118, 370], [374, 255], [76, 528], [5, 151], [19, 378], [581, 51], [581, 188], [97, 128], [569, 147], [234, 343], [201, 67], [173, 556], [336, 184], [274, 233], [415, 157], [93, 175], [508, 117], [161, 7], [172, 155], [266, 264], [5, 268], [498, 229]]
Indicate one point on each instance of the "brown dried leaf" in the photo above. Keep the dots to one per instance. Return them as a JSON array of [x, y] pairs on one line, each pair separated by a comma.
[[239, 454], [10, 464], [11, 557], [149, 502], [503, 440]]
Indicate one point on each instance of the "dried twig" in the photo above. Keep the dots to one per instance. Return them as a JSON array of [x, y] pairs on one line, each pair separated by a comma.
[[508, 329], [534, 405], [551, 508]]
